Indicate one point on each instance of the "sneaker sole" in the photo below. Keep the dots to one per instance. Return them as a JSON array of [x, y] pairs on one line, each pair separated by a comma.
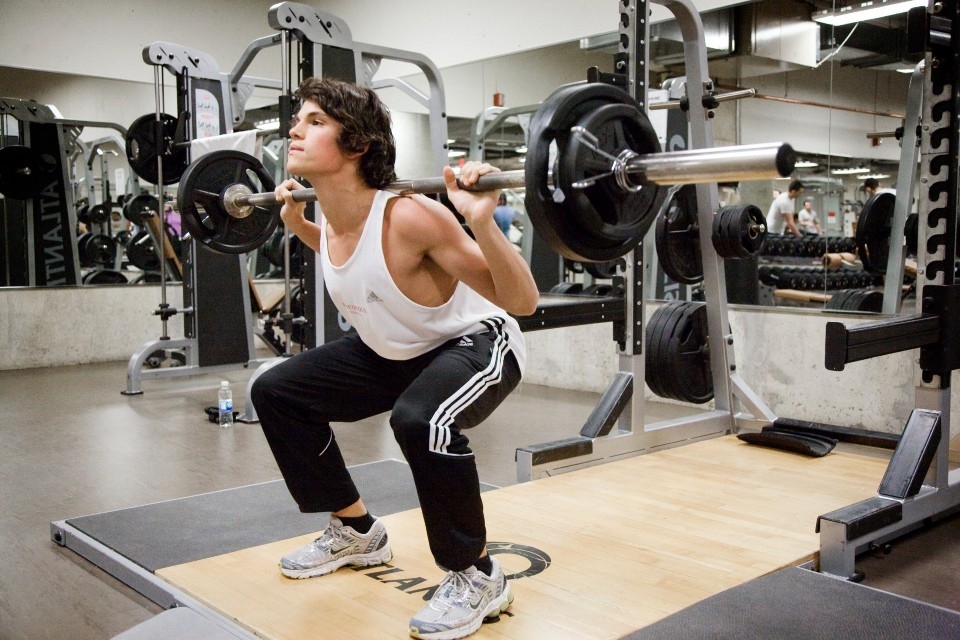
[[362, 560], [494, 609]]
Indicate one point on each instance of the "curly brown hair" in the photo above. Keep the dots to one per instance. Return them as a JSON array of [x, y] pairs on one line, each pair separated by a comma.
[[365, 124]]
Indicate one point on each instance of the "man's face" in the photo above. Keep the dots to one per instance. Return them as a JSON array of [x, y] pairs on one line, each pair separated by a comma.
[[313, 141]]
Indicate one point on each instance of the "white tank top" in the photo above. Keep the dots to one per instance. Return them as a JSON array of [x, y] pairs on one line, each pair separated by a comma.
[[389, 322]]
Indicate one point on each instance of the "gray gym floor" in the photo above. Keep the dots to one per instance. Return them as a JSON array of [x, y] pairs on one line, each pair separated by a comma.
[[72, 445]]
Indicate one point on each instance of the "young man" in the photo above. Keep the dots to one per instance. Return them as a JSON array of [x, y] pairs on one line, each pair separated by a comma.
[[780, 217], [809, 221], [434, 345]]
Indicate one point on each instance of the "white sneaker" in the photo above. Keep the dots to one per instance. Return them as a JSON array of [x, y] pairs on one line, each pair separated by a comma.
[[337, 547], [461, 603]]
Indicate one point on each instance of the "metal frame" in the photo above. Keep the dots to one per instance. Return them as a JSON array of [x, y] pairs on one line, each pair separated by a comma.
[[632, 437], [939, 494], [155, 589], [906, 180]]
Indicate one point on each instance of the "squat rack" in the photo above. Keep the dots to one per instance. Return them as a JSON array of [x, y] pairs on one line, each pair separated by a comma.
[[735, 403]]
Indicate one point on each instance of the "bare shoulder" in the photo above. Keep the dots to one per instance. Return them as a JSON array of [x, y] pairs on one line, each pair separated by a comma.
[[423, 218]]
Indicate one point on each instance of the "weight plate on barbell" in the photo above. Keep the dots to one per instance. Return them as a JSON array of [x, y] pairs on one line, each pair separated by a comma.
[[737, 231], [142, 253], [144, 144], [134, 208], [601, 222], [678, 236], [23, 172], [202, 210], [677, 360], [873, 231], [610, 213]]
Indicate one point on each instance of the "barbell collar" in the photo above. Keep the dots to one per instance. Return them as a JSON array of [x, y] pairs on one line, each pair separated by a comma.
[[693, 166]]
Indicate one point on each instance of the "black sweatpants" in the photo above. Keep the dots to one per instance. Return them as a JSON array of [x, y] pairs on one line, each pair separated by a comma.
[[432, 398]]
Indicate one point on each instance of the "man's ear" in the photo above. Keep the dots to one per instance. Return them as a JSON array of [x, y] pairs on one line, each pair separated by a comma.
[[356, 154]]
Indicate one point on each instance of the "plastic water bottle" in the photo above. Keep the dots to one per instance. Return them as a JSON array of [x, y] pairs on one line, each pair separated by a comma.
[[225, 405]]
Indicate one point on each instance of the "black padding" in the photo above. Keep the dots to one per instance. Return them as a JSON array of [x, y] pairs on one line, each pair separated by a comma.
[[815, 447], [865, 517], [842, 434], [798, 604], [911, 460], [608, 409]]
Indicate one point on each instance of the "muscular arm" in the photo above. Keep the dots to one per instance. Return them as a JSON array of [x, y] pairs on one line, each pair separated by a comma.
[[490, 265]]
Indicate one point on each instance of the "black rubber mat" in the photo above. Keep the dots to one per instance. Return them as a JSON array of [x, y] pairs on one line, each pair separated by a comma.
[[169, 533], [798, 604]]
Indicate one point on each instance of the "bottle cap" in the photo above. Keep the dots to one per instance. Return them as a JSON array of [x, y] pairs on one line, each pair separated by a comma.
[[224, 383]]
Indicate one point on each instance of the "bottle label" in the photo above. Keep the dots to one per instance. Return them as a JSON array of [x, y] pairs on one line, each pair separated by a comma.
[[226, 406]]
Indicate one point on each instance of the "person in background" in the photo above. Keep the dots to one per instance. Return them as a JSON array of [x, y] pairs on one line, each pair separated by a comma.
[[809, 220], [781, 216], [504, 214]]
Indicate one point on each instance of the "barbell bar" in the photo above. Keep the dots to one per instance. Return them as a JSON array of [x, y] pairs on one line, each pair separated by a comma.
[[593, 179], [692, 166]]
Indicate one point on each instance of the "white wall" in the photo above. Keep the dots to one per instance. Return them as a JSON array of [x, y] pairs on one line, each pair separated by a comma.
[[778, 354], [113, 33]]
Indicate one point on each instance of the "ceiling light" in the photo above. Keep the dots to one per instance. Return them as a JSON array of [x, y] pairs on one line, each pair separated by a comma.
[[850, 171], [866, 11], [877, 176], [805, 164]]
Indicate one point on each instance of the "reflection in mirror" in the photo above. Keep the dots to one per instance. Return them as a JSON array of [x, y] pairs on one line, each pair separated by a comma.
[[834, 93]]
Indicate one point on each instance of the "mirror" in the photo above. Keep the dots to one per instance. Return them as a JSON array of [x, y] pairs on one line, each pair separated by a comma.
[[829, 85]]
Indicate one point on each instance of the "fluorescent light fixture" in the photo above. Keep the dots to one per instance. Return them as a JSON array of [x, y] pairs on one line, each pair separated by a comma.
[[805, 164], [454, 153], [866, 11], [850, 171], [878, 176]]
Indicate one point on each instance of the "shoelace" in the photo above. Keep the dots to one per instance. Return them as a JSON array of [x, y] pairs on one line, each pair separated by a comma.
[[456, 589], [329, 537]]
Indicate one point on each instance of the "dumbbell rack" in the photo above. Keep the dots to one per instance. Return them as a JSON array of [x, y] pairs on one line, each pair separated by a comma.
[[735, 404]]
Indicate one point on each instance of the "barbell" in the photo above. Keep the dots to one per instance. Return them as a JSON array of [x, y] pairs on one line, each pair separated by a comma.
[[594, 178]]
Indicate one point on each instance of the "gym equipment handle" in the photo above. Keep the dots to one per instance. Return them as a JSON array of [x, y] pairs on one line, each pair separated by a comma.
[[693, 166]]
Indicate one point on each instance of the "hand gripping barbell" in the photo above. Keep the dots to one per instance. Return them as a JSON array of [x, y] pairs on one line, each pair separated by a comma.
[[594, 205]]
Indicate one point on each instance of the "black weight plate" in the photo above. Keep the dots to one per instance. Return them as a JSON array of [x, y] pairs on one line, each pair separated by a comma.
[[657, 348], [678, 237], [23, 172], [721, 233], [104, 276], [134, 208], [736, 231], [98, 214], [144, 143], [910, 230], [873, 231], [602, 270], [142, 253], [677, 361], [558, 222], [202, 211], [98, 249], [605, 209]]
